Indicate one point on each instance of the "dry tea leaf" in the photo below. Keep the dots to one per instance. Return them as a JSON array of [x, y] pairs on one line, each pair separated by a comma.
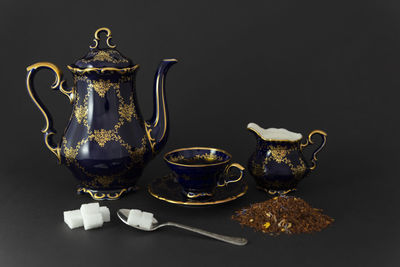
[[283, 214]]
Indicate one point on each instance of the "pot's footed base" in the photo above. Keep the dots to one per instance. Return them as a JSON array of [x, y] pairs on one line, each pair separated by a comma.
[[276, 192], [105, 194]]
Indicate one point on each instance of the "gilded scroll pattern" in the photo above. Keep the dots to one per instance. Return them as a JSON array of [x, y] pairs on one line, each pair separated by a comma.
[[70, 154], [299, 170], [102, 86], [105, 180], [207, 157], [80, 113], [101, 136], [136, 155], [103, 55], [126, 111], [101, 196], [280, 154], [258, 169], [85, 104]]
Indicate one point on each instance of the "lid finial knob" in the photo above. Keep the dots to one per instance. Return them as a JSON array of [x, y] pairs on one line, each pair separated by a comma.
[[97, 38]]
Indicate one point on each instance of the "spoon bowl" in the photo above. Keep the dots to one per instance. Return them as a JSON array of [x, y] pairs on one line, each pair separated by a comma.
[[123, 215]]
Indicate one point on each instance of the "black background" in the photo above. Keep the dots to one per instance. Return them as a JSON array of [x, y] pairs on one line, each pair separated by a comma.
[[302, 65]]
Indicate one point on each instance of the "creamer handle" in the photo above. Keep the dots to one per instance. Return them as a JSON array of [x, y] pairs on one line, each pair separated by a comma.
[[310, 141]]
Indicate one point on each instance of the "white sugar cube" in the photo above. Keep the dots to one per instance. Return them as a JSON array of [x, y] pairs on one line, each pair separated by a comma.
[[91, 221], [134, 217], [146, 220], [73, 218], [90, 208], [105, 212], [90, 215]]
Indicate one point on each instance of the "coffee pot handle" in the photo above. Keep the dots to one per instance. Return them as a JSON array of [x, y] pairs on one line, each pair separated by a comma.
[[236, 165], [58, 84], [310, 141]]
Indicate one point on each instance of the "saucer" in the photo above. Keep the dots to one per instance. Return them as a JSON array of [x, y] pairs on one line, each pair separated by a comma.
[[168, 189]]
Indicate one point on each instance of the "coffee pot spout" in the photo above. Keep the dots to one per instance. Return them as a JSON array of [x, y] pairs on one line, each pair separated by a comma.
[[158, 127]]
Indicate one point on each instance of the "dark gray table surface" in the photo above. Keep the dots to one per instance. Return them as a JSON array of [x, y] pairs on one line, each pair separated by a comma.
[[302, 65]]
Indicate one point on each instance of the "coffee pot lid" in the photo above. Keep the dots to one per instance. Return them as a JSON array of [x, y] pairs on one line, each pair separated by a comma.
[[103, 57]]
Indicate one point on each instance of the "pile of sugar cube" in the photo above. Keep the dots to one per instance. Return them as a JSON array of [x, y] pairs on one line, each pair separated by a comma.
[[90, 216], [140, 218]]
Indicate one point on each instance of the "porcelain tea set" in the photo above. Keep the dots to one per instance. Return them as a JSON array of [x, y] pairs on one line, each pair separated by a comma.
[[107, 143]]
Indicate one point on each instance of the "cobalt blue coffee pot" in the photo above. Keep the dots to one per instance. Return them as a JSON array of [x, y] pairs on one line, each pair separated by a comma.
[[106, 143]]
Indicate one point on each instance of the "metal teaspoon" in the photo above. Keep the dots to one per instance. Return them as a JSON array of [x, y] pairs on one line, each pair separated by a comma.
[[124, 213]]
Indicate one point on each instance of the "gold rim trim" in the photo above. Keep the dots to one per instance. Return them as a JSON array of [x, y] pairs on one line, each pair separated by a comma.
[[102, 70], [200, 165], [275, 140], [198, 203]]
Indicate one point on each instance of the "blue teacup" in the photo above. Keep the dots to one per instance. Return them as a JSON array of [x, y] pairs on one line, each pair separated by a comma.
[[200, 170]]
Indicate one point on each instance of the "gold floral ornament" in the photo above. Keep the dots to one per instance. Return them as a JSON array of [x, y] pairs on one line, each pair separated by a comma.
[[105, 56], [299, 170], [177, 158], [70, 154], [101, 136], [258, 169], [208, 157], [127, 111], [80, 113], [102, 86], [105, 180], [279, 155], [138, 154]]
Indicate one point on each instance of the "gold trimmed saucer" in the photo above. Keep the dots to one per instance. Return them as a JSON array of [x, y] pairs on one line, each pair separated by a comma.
[[168, 189]]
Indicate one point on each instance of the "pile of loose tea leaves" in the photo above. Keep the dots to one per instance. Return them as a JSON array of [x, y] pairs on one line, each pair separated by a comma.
[[283, 214]]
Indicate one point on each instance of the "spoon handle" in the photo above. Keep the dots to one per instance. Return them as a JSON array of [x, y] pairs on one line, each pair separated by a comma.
[[229, 239]]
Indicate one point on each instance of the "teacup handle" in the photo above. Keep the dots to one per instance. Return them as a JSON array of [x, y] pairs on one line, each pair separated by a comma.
[[236, 165], [310, 141]]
